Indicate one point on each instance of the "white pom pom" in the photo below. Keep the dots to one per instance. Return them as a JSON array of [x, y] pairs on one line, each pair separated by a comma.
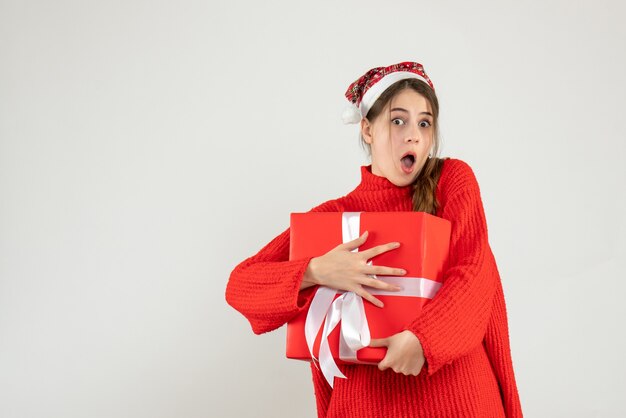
[[351, 114]]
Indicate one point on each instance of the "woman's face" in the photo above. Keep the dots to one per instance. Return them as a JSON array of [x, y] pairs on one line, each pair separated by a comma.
[[404, 127]]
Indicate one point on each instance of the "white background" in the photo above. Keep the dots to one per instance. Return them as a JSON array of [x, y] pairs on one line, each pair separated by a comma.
[[147, 147]]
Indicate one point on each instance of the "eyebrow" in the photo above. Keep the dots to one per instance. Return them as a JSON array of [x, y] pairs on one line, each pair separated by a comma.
[[406, 111]]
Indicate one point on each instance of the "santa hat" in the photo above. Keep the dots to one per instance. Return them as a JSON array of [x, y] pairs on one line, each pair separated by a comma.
[[366, 89]]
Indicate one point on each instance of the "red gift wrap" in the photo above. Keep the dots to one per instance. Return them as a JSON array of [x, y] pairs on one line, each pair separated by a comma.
[[423, 253]]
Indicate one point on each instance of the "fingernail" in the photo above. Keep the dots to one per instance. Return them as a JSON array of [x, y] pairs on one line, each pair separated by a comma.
[[396, 244], [402, 271]]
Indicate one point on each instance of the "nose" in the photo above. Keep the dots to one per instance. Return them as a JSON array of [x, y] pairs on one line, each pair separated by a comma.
[[412, 138], [412, 135]]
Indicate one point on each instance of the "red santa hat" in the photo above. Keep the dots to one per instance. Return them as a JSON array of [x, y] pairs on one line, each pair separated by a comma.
[[366, 89]]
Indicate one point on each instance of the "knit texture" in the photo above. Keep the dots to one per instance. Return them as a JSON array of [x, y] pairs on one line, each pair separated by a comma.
[[463, 330]]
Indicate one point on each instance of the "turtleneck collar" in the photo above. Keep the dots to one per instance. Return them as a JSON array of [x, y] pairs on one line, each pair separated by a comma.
[[373, 182]]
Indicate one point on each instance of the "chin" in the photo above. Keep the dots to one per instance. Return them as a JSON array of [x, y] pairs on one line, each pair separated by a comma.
[[403, 182]]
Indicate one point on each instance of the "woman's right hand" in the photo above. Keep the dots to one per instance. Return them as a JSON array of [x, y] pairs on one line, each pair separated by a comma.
[[342, 269]]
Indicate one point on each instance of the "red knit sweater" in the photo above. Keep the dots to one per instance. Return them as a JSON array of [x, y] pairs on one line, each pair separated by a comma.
[[463, 329]]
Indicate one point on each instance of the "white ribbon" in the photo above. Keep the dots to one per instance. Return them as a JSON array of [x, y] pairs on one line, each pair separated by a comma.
[[348, 308]]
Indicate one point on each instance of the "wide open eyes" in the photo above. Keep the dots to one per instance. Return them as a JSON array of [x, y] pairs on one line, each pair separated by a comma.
[[398, 121]]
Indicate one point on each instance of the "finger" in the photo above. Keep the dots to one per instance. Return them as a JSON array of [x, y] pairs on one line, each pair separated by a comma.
[[368, 296], [355, 243], [379, 342], [379, 249], [410, 371], [384, 364], [379, 284], [383, 270]]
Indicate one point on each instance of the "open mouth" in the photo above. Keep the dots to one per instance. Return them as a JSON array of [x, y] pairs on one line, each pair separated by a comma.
[[408, 162]]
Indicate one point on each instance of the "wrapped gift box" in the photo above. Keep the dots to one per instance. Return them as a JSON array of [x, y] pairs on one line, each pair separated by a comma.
[[423, 252]]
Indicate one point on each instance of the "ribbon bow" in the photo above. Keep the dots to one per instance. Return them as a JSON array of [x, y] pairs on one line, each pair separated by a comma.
[[348, 308]]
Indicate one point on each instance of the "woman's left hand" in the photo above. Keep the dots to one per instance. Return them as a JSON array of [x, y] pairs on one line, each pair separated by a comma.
[[404, 353]]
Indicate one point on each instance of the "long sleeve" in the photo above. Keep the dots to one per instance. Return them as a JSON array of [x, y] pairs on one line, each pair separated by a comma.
[[265, 287], [454, 322]]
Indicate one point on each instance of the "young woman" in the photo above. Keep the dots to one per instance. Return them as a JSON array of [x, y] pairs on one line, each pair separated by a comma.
[[454, 359]]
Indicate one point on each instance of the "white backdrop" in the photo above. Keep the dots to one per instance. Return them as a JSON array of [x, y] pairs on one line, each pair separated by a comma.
[[147, 147]]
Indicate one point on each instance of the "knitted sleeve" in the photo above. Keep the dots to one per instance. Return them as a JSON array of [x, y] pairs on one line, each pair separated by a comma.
[[265, 287], [454, 322]]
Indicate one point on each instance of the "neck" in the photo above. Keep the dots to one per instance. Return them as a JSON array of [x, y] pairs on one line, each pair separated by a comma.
[[372, 181]]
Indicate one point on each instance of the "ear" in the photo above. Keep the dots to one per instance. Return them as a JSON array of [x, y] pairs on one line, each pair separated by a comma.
[[366, 130]]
